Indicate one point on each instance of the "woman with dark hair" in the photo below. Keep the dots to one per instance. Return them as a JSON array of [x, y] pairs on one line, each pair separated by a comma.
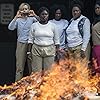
[[42, 41], [61, 24], [96, 38], [78, 34]]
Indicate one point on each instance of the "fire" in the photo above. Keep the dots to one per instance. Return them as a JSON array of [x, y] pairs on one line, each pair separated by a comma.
[[65, 81]]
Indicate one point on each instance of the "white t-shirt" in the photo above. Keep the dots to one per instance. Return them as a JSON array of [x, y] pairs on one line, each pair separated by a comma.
[[61, 25], [44, 34]]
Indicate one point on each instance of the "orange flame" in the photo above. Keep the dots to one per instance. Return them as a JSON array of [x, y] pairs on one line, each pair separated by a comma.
[[63, 82]]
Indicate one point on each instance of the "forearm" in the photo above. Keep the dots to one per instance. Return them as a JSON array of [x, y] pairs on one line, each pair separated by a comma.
[[86, 36], [85, 44], [12, 24], [86, 40]]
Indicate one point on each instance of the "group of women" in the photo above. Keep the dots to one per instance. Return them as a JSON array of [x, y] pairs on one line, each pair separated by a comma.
[[41, 39]]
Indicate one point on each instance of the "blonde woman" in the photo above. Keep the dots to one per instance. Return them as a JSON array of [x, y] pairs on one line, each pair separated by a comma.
[[22, 22]]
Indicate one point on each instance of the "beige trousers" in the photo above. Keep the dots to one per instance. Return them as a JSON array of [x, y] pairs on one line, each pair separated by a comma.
[[76, 51], [42, 57], [88, 51], [21, 53]]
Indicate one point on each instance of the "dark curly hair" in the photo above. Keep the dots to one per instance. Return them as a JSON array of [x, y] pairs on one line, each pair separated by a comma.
[[77, 3], [54, 8], [42, 9]]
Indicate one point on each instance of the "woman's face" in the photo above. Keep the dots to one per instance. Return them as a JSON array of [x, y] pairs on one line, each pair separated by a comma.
[[97, 9], [24, 9], [76, 12], [44, 16], [58, 14]]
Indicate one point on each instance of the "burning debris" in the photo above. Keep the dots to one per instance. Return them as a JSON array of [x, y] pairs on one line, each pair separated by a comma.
[[70, 80]]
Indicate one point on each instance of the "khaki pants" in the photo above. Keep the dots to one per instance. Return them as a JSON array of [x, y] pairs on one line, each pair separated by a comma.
[[21, 53], [41, 63], [88, 51], [75, 52], [42, 57]]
